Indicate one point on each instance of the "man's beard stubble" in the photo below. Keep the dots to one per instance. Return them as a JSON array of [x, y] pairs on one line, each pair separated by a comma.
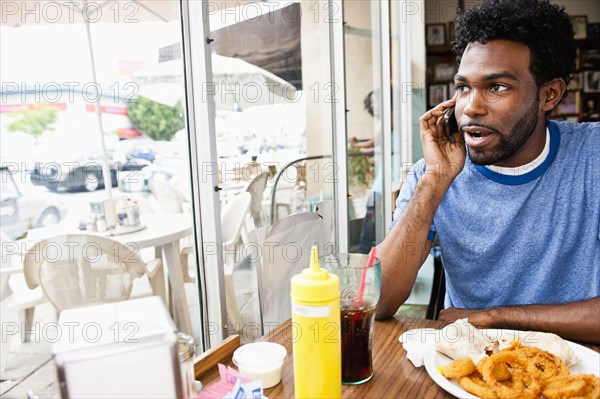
[[509, 146]]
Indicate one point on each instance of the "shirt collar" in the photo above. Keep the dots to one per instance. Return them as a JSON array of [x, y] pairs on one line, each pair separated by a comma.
[[531, 171]]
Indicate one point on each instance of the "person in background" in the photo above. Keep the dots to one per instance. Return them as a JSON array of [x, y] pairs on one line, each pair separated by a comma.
[[370, 104], [513, 198]]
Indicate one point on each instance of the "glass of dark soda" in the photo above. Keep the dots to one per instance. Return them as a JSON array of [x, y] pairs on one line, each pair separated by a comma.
[[357, 312]]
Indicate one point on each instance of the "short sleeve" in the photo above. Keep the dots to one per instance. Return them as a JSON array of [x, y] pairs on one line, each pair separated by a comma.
[[406, 193]]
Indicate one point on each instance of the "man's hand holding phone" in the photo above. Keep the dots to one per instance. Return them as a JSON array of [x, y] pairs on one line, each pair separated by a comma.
[[443, 144]]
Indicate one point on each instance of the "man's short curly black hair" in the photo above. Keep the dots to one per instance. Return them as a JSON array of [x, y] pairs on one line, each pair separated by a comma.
[[543, 27]]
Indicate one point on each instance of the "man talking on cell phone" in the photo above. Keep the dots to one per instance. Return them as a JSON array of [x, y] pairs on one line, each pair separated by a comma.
[[513, 198]]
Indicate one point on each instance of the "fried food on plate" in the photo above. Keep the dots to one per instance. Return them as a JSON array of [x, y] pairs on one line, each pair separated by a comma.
[[546, 341], [524, 381], [500, 371], [498, 367], [459, 368], [524, 373], [475, 384], [462, 339], [548, 365], [575, 386]]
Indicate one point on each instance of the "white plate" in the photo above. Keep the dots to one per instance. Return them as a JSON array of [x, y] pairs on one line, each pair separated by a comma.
[[589, 364]]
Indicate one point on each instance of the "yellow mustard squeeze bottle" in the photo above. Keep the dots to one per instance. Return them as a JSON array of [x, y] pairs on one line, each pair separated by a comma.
[[316, 332]]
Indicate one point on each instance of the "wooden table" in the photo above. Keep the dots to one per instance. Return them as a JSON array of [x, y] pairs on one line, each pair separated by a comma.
[[394, 377]]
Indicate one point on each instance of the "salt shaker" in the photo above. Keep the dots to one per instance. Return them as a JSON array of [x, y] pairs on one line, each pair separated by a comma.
[[133, 214], [186, 351]]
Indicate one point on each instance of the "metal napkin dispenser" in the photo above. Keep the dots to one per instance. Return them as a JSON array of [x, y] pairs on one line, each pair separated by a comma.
[[118, 350]]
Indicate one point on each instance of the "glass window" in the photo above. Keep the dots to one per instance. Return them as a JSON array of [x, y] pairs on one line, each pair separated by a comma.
[[93, 128], [273, 103], [364, 98]]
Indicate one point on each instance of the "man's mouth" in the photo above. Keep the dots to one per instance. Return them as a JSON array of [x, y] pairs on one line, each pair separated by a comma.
[[476, 136]]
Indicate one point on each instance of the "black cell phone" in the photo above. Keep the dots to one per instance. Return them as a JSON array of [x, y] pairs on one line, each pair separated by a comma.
[[450, 123]]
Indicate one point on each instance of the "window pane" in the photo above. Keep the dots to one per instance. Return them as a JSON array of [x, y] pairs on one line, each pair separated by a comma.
[[364, 121], [272, 94], [81, 107]]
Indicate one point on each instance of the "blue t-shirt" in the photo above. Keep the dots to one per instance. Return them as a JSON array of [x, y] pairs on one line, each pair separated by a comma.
[[531, 238]]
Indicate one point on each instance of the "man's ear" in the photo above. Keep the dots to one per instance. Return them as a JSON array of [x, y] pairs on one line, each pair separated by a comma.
[[551, 94]]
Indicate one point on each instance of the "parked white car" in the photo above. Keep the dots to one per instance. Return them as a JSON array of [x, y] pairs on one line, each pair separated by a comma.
[[21, 211]]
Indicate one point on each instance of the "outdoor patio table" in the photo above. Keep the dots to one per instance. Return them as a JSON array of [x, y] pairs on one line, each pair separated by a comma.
[[162, 231]]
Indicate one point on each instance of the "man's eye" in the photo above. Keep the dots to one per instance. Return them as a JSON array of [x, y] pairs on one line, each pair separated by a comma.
[[460, 87], [499, 88]]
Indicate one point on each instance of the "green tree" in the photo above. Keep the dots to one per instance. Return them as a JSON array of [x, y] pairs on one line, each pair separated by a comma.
[[33, 121], [157, 121]]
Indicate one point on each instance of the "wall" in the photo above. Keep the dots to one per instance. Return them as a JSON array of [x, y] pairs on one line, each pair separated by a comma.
[[445, 10], [359, 67]]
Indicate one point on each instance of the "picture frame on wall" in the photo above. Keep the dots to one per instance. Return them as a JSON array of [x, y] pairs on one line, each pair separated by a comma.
[[437, 93], [435, 34], [570, 103], [579, 26], [444, 71], [591, 81], [590, 59]]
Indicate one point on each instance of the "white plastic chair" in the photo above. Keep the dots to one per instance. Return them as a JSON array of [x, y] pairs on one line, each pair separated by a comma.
[[232, 220], [256, 188], [81, 270], [17, 302], [169, 198], [285, 251]]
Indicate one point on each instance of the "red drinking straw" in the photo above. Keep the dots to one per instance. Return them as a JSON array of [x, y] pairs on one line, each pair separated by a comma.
[[363, 276]]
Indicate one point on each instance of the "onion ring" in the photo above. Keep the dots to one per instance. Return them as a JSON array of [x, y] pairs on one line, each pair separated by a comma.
[[573, 386], [475, 385], [521, 372], [525, 382], [459, 368], [548, 365], [501, 371]]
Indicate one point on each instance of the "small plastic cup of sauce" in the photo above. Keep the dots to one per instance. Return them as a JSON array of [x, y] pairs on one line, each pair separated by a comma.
[[260, 361]]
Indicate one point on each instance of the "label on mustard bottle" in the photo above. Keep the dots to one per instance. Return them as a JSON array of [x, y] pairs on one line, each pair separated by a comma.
[[310, 311]]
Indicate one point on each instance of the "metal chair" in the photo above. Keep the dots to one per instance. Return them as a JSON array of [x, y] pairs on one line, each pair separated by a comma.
[[438, 289]]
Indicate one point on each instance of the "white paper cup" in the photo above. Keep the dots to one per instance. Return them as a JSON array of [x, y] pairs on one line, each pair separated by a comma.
[[260, 361]]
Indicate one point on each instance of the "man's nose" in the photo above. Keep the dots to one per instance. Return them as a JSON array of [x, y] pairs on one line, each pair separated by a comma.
[[476, 104]]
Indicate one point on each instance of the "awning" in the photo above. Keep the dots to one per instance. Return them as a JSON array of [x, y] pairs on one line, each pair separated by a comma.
[[269, 38]]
